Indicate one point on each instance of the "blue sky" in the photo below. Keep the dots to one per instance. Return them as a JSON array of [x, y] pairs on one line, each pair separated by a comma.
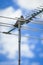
[[31, 49]]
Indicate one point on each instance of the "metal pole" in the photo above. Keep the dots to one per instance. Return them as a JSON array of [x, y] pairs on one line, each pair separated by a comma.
[[19, 45]]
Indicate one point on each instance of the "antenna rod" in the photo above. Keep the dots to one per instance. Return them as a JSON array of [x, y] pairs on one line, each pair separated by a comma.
[[19, 43]]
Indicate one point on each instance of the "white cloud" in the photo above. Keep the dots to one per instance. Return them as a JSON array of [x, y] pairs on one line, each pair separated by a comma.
[[41, 38], [26, 52], [10, 47], [10, 44], [32, 46], [29, 4], [42, 41], [32, 41], [26, 62], [10, 12], [41, 55], [9, 63], [23, 39], [35, 63]]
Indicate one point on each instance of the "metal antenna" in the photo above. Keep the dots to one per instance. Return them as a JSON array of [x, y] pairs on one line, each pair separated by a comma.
[[19, 44]]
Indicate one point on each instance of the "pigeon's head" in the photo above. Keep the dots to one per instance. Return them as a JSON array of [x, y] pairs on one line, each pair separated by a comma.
[[21, 16]]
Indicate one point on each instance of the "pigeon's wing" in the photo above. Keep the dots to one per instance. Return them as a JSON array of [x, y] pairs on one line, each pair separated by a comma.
[[16, 24]]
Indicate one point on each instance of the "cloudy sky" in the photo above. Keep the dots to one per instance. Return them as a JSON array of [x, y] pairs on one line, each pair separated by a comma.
[[31, 33]]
